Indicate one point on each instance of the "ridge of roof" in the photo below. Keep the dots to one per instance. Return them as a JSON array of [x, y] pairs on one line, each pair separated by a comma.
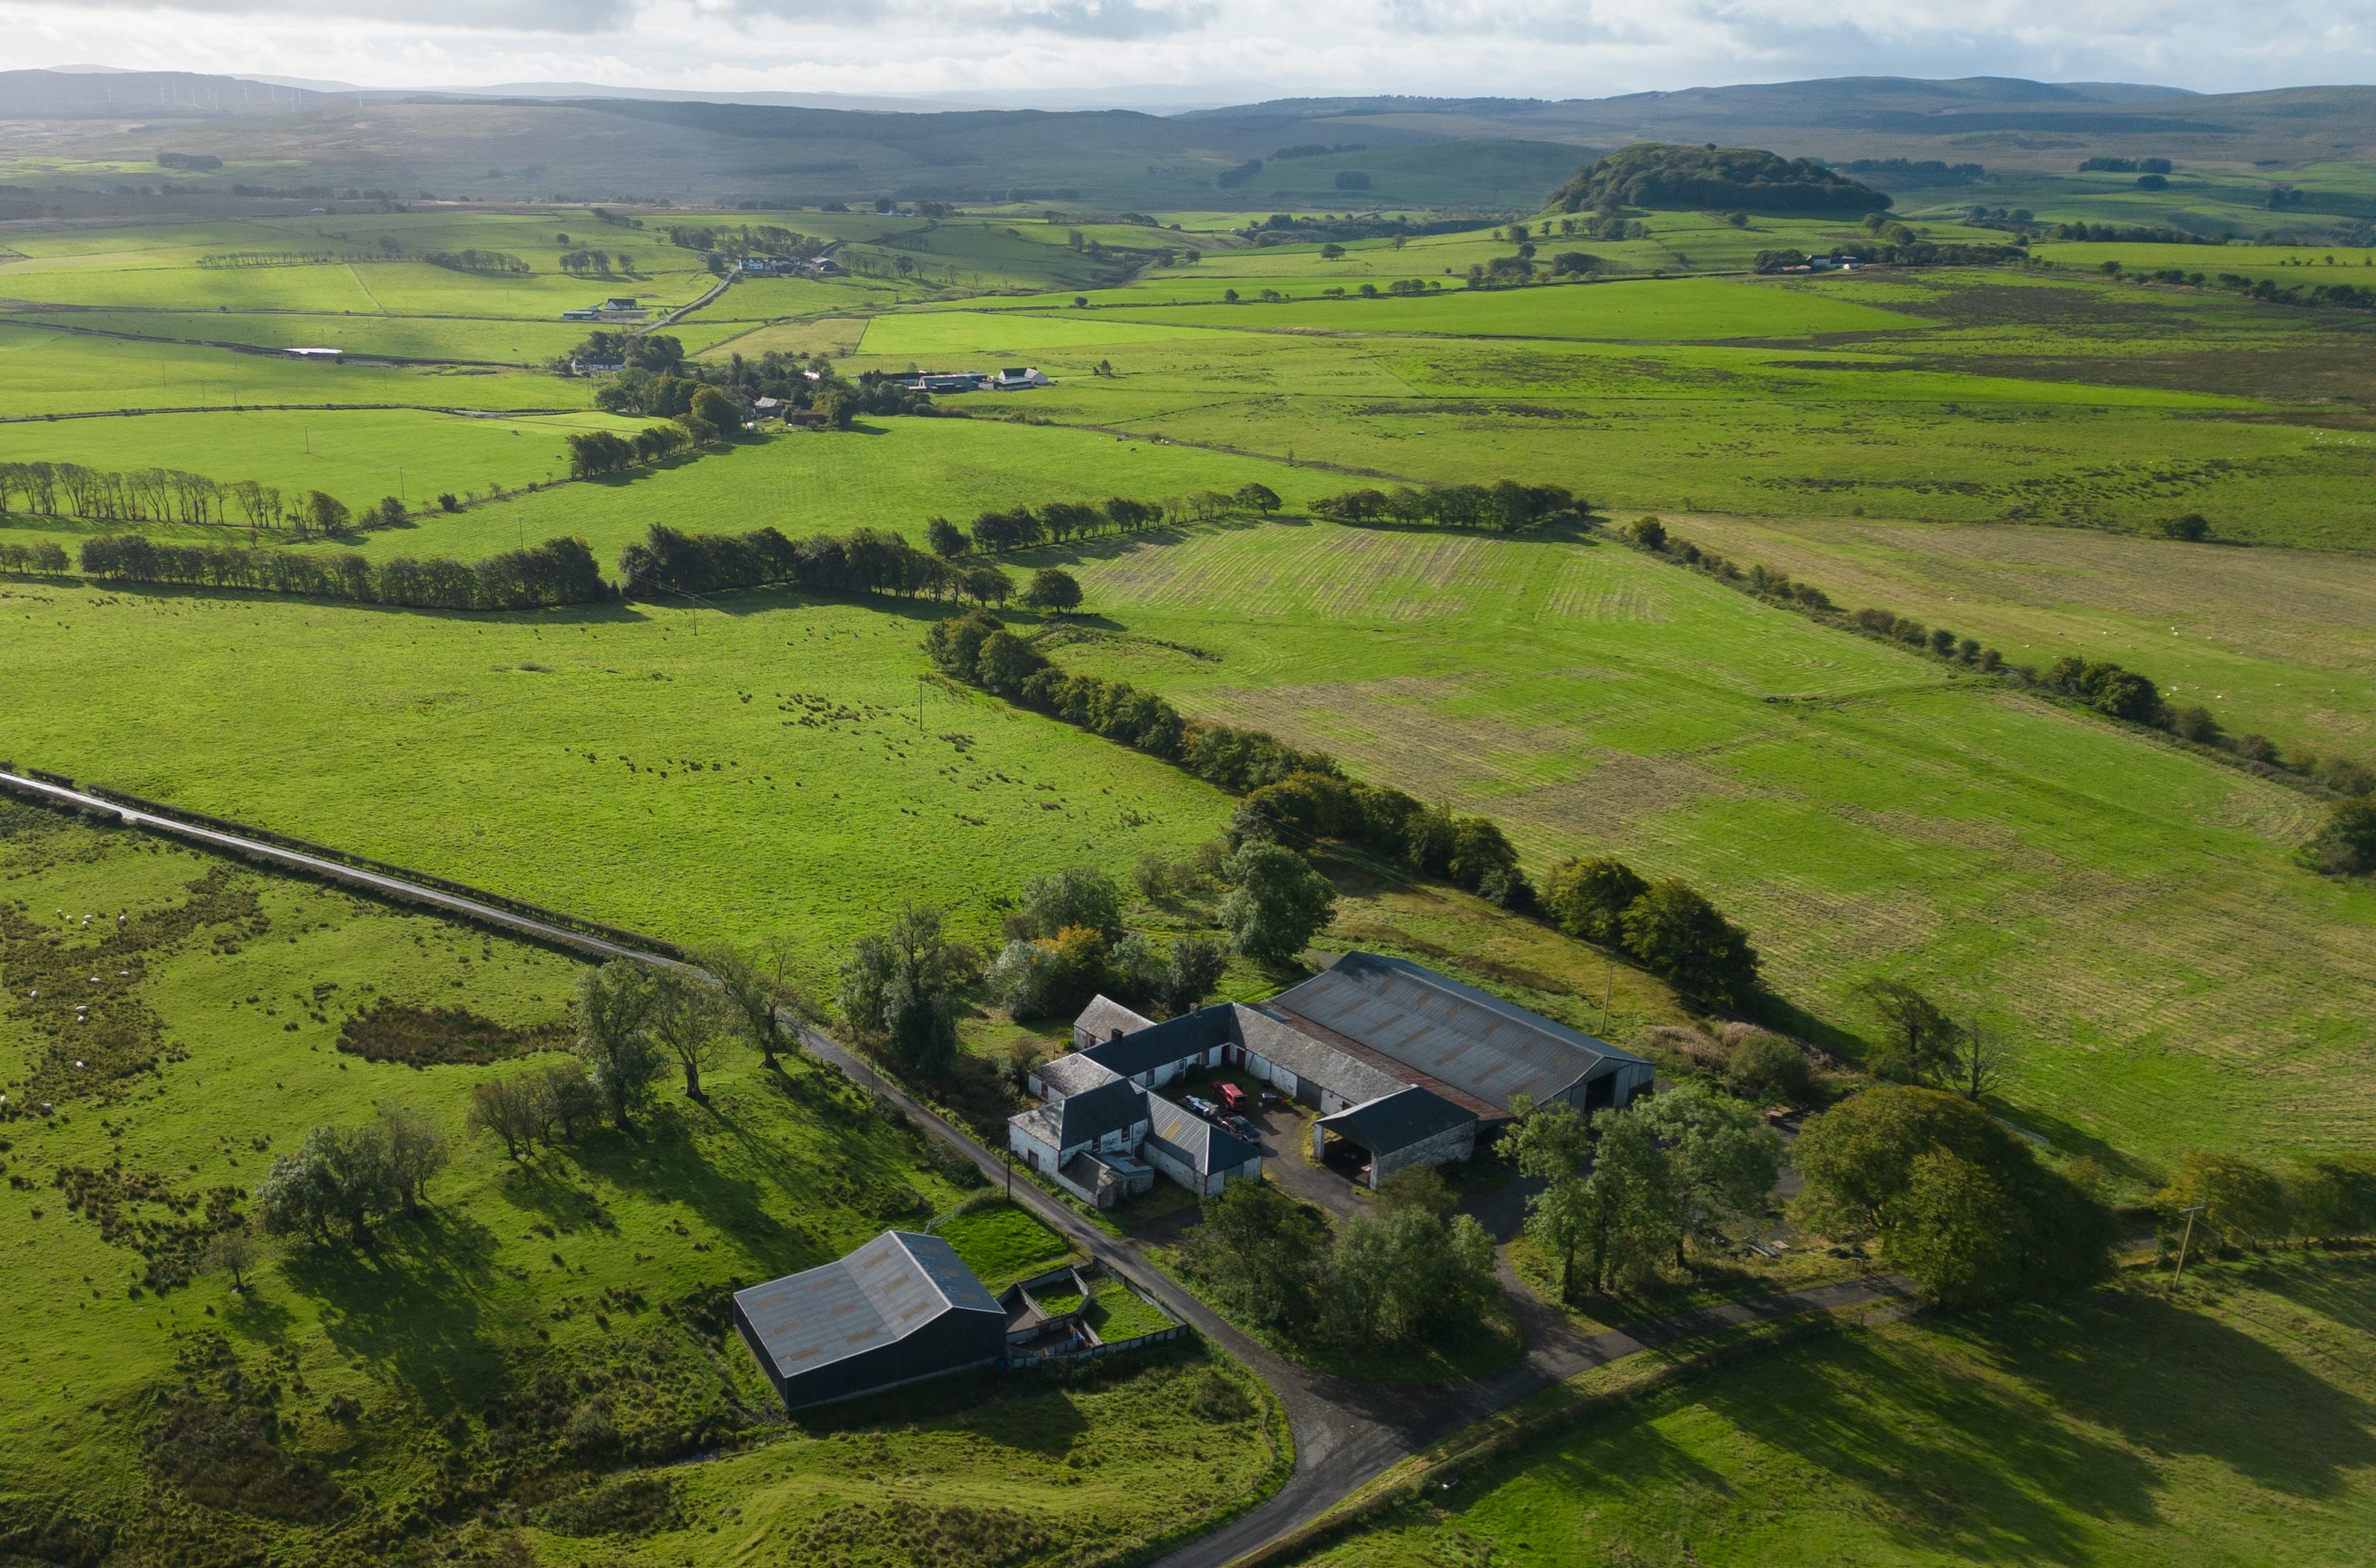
[[1400, 1071]]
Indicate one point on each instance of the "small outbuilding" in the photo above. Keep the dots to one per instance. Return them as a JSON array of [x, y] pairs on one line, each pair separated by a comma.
[[900, 1308]]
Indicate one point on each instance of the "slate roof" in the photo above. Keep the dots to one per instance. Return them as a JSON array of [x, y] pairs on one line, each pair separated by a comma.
[[1065, 1076], [1104, 1017], [1195, 1142], [1307, 1056], [1159, 1044], [1476, 1044], [1399, 1120], [879, 1295], [1090, 1116]]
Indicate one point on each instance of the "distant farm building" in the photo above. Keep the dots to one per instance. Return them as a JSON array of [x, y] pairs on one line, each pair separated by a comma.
[[900, 1308], [948, 381], [1018, 377], [331, 355], [1405, 1066]]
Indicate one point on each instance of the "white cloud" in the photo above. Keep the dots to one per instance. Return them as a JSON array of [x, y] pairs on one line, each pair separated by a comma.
[[1540, 48]]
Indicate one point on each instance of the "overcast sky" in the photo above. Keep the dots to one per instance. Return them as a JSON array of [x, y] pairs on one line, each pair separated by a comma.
[[1533, 48]]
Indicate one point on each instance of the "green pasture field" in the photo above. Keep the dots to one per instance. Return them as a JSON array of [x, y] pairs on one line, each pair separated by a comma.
[[891, 472], [45, 371], [356, 455], [1995, 395], [2230, 1425], [567, 1263], [2276, 641], [834, 337], [2130, 910], [747, 769]]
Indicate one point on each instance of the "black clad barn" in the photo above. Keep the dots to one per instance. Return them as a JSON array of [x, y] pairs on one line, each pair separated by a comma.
[[900, 1308]]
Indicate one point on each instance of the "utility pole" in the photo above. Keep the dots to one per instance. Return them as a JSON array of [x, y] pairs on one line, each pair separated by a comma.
[[2182, 1240]]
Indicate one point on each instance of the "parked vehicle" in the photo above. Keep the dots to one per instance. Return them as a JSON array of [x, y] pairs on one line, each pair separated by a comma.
[[1201, 1106], [1233, 1097], [1242, 1127]]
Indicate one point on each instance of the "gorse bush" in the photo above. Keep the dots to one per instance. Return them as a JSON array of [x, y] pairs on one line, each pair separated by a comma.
[[559, 571]]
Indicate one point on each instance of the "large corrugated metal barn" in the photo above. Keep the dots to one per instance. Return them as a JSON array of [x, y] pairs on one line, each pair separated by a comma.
[[900, 1308]]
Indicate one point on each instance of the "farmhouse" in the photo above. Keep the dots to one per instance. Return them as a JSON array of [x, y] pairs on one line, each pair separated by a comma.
[[1018, 377], [900, 1308], [1402, 1064]]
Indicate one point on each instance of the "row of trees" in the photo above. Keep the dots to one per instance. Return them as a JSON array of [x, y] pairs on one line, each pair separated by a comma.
[[1668, 925], [139, 495], [46, 555], [559, 571], [1472, 852], [977, 648], [1409, 1275], [866, 560], [1505, 506], [1059, 521], [2247, 1205], [594, 453]]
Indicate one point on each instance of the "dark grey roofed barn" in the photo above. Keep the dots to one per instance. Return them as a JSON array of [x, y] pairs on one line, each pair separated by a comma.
[[1472, 1043], [902, 1308]]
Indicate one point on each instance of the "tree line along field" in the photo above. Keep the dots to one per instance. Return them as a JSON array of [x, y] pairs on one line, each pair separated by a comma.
[[2133, 911], [2228, 1426], [541, 1339]]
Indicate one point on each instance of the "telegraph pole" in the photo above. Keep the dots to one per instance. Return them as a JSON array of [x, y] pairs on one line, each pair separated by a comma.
[[2182, 1240]]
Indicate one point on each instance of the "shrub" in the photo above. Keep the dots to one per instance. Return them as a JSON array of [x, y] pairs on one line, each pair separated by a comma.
[[1277, 902], [1589, 897], [2345, 844], [1766, 1067], [1682, 938]]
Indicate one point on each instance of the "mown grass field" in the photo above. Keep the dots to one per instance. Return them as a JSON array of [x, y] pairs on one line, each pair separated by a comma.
[[749, 769], [395, 1367], [2274, 641], [2230, 1426], [2132, 910]]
